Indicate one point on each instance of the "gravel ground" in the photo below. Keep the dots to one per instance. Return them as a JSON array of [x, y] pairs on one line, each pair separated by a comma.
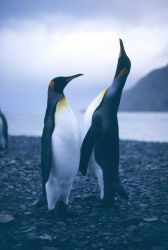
[[141, 223]]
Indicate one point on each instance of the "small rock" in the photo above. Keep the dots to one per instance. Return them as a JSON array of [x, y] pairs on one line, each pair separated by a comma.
[[92, 226], [6, 218], [29, 229], [32, 236], [45, 237], [142, 205], [78, 196], [33, 192], [158, 248], [141, 224], [93, 245], [137, 240], [61, 224], [151, 219], [133, 220], [23, 207], [28, 213], [27, 162], [49, 248], [12, 162], [35, 202], [131, 228]]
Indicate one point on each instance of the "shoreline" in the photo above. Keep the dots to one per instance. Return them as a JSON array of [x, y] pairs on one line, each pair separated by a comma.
[[134, 126], [121, 140], [143, 171]]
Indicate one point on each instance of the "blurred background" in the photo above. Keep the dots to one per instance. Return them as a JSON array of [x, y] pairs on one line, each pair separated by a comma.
[[40, 40]]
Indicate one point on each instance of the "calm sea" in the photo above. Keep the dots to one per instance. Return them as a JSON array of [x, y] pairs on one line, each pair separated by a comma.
[[143, 126]]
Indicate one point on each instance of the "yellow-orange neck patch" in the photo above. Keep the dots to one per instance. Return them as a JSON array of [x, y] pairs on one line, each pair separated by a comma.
[[122, 72], [51, 85], [61, 104]]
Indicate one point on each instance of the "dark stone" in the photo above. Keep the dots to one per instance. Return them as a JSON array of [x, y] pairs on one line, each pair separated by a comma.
[[6, 218]]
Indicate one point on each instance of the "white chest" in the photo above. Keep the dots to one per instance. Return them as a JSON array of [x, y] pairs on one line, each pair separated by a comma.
[[89, 112], [65, 155], [65, 140], [66, 124]]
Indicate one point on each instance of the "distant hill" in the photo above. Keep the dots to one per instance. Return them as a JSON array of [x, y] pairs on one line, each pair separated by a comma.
[[149, 94]]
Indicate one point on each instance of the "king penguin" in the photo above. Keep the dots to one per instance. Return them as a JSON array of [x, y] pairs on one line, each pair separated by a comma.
[[60, 146], [100, 146], [3, 132]]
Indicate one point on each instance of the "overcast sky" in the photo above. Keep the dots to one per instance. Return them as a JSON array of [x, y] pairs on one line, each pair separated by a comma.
[[40, 40]]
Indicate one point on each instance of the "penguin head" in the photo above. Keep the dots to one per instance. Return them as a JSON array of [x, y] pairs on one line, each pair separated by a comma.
[[59, 83], [124, 63]]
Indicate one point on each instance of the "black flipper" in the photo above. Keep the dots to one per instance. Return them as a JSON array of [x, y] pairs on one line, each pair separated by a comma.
[[46, 147], [89, 141]]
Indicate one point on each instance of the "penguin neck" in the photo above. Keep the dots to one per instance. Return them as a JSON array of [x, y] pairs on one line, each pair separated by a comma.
[[53, 95], [117, 84], [60, 91], [112, 96], [62, 109]]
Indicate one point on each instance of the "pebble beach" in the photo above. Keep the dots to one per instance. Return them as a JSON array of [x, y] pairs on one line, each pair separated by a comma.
[[140, 223]]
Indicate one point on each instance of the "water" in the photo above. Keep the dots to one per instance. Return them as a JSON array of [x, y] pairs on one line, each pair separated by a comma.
[[143, 126]]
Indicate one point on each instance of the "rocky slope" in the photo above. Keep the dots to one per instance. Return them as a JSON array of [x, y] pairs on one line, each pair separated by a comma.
[[149, 94]]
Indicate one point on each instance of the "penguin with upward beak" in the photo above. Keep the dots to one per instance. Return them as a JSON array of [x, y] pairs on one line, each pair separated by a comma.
[[100, 146], [60, 146]]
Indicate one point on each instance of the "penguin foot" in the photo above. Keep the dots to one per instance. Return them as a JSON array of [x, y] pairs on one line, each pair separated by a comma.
[[51, 214], [109, 198], [108, 202], [62, 208], [119, 189], [69, 214], [64, 211]]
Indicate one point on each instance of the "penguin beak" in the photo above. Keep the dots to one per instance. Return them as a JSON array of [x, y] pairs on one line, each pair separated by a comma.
[[122, 50], [69, 78]]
